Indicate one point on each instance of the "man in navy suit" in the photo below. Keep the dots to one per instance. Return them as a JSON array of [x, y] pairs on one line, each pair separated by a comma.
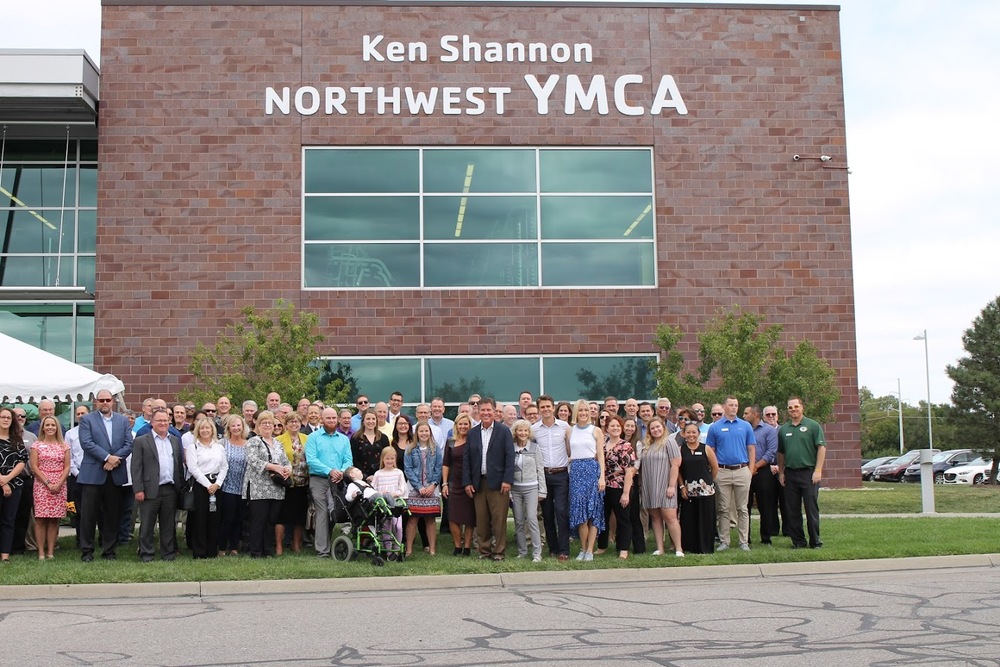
[[106, 440], [487, 474], [157, 476]]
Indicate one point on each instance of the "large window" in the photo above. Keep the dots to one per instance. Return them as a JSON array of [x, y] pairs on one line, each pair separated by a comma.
[[48, 214], [64, 329], [455, 378], [478, 217]]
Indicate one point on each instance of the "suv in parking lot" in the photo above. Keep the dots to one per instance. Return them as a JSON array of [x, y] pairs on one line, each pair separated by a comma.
[[941, 463]]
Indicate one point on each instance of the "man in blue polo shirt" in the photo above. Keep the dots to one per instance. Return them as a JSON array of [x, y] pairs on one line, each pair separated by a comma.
[[734, 444], [328, 455]]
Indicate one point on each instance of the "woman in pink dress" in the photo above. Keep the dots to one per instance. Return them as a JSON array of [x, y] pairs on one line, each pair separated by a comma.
[[50, 465]]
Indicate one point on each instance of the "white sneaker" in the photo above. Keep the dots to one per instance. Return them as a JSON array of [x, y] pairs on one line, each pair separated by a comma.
[[537, 559], [722, 546], [679, 554], [588, 556], [657, 553], [580, 556]]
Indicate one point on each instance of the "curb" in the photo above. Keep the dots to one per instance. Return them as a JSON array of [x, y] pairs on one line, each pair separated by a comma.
[[206, 589]]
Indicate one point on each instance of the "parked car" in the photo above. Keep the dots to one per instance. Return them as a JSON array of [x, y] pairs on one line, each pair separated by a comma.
[[893, 471], [869, 467], [976, 472], [941, 462]]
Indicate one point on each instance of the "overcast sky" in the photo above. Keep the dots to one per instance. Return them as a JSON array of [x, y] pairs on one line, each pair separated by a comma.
[[920, 80]]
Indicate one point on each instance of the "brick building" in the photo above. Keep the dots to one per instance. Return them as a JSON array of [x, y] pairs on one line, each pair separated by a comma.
[[486, 195]]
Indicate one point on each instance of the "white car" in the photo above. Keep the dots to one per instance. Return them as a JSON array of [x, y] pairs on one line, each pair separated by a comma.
[[976, 472]]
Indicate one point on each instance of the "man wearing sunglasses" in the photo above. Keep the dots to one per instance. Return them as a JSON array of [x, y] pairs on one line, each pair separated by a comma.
[[106, 440], [361, 404]]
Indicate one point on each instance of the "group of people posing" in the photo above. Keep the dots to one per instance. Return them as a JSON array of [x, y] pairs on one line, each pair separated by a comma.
[[263, 479]]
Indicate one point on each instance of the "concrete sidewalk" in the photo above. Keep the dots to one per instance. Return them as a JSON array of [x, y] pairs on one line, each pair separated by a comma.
[[205, 589]]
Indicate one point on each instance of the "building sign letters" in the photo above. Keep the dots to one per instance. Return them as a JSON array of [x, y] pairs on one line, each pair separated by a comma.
[[628, 95]]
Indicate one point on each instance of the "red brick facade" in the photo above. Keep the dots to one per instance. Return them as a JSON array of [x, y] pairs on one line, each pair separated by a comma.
[[199, 190]]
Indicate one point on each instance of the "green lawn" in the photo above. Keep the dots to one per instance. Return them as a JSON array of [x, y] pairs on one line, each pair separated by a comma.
[[889, 498], [844, 539]]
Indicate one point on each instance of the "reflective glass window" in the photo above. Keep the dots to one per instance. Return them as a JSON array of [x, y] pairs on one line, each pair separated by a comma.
[[85, 267], [479, 170], [504, 378], [579, 217], [582, 170], [357, 170], [26, 185], [377, 378], [625, 264], [593, 378], [362, 265], [472, 265], [35, 271], [87, 240], [88, 185], [48, 327], [85, 335], [362, 218], [480, 218], [23, 230]]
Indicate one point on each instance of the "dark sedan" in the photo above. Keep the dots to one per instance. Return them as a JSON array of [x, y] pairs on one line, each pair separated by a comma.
[[941, 462], [868, 468], [893, 471]]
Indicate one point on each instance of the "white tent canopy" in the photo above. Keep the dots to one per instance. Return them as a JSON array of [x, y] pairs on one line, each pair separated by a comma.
[[30, 374]]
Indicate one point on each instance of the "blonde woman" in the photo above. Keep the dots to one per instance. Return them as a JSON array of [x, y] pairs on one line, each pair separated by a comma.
[[49, 457], [585, 446], [295, 506], [232, 506], [263, 493], [206, 461], [660, 462]]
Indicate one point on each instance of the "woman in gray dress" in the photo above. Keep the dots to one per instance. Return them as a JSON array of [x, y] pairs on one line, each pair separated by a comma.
[[660, 461]]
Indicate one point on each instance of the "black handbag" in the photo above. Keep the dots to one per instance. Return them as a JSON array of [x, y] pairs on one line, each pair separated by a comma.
[[276, 477], [187, 496]]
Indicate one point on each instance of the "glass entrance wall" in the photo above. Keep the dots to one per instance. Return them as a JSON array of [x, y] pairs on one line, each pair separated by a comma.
[[478, 217], [48, 213], [64, 329]]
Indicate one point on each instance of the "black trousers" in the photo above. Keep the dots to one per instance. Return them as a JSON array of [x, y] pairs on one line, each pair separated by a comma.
[[623, 519], [764, 490], [799, 491], [8, 512], [203, 525], [23, 518], [103, 499], [231, 510], [160, 510], [262, 515], [555, 512]]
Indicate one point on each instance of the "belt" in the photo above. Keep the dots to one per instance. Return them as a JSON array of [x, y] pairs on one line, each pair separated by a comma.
[[553, 471], [735, 467], [212, 478]]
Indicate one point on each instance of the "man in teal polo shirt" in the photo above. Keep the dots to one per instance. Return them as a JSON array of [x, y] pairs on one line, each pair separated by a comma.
[[328, 455], [801, 454]]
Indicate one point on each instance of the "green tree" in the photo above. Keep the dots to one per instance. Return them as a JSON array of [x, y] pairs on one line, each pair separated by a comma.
[[976, 392], [270, 351], [633, 377], [740, 356]]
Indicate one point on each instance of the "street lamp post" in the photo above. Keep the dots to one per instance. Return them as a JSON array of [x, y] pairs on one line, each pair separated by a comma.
[[899, 395], [926, 465]]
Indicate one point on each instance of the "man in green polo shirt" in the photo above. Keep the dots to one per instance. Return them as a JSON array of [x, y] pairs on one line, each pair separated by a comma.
[[801, 454]]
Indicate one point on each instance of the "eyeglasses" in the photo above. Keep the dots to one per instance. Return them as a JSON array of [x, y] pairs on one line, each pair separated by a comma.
[[473, 402], [770, 414], [209, 412], [104, 400], [362, 403], [22, 417], [702, 411], [716, 414], [663, 407]]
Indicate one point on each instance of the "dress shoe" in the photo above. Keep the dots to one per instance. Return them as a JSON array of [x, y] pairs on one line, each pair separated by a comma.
[[87, 558], [146, 559], [497, 558], [109, 557]]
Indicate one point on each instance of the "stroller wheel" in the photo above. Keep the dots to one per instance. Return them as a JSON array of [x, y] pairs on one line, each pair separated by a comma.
[[377, 561], [342, 548]]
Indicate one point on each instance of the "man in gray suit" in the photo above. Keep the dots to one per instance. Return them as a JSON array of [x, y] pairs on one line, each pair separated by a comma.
[[157, 477], [106, 440]]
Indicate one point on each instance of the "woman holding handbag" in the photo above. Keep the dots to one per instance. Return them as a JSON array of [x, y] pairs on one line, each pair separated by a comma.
[[268, 473]]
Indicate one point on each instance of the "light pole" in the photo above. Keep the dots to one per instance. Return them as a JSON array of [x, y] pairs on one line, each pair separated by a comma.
[[926, 463], [899, 395]]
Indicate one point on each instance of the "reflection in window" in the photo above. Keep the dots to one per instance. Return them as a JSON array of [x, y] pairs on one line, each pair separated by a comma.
[[47, 327], [456, 204], [502, 377]]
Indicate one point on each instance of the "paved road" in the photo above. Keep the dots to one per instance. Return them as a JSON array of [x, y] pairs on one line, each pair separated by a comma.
[[927, 617]]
